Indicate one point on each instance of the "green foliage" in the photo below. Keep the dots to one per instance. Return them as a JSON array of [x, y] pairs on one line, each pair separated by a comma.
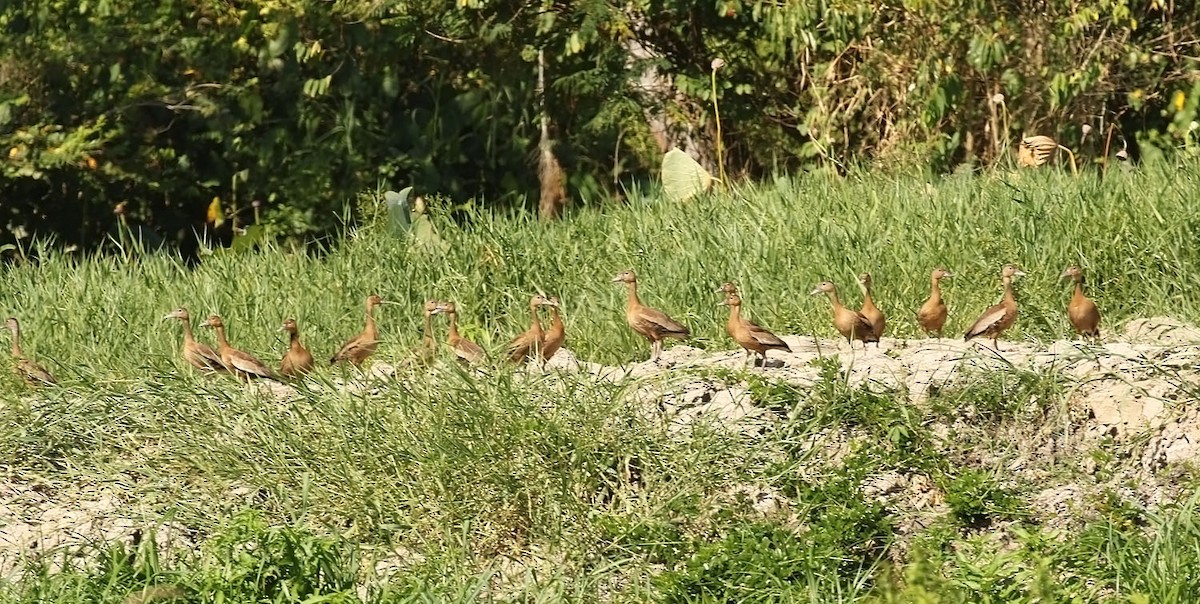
[[756, 562], [246, 560], [976, 499], [299, 104]]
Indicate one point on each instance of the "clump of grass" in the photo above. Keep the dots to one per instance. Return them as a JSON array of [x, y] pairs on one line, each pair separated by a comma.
[[977, 499]]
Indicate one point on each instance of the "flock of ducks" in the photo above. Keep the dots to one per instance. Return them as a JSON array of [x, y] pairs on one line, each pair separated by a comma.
[[538, 345]]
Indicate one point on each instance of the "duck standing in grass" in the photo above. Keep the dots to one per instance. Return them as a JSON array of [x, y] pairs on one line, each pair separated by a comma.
[[850, 323], [557, 335], [997, 319], [872, 313], [241, 364], [748, 334], [528, 344], [1082, 311], [932, 314], [427, 351], [651, 323], [31, 372], [465, 350], [357, 349], [197, 354], [297, 361]]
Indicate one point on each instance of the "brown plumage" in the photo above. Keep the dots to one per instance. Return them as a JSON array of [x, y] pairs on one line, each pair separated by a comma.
[[297, 361], [995, 320], [241, 364], [197, 354], [357, 349], [528, 345], [1082, 312], [869, 310], [749, 335], [653, 324], [31, 372], [932, 314], [851, 324], [557, 335], [467, 351], [727, 287]]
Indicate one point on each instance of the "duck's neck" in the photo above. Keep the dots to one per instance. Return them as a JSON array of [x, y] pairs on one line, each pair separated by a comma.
[[16, 342], [535, 325], [833, 299], [428, 336], [633, 297], [370, 330], [935, 289], [453, 329], [556, 319], [735, 313], [1009, 298], [1079, 288], [187, 330], [221, 341], [294, 339]]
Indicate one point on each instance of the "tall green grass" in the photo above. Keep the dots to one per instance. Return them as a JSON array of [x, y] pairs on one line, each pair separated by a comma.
[[556, 487], [1133, 233]]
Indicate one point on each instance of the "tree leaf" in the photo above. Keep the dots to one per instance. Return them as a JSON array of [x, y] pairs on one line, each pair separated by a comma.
[[683, 177]]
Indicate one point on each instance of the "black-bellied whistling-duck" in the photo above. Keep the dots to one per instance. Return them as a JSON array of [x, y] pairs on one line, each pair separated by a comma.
[[241, 364], [467, 351], [297, 361], [932, 314], [556, 335], [995, 320], [528, 345], [850, 323], [357, 349], [869, 310], [32, 373], [653, 324], [1082, 312], [428, 350], [749, 335], [199, 355]]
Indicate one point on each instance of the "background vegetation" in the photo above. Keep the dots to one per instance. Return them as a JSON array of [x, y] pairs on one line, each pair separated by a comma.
[[509, 487], [297, 105]]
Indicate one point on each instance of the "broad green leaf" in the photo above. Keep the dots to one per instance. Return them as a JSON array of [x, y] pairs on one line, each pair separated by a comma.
[[683, 177]]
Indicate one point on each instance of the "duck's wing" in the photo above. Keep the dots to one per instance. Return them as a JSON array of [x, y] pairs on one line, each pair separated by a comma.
[[249, 365], [34, 373], [349, 349], [658, 322], [519, 347], [204, 357], [469, 351], [986, 321]]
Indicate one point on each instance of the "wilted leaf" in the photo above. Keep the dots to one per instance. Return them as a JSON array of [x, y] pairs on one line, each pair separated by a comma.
[[215, 216]]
